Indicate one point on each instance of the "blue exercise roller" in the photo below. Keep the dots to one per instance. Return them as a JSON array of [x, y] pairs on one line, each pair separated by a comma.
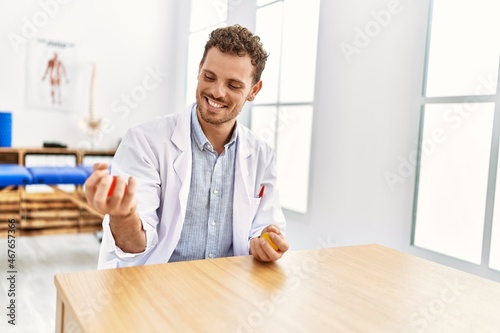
[[5, 129]]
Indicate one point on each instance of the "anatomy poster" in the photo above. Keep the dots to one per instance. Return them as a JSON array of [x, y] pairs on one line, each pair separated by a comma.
[[51, 74]]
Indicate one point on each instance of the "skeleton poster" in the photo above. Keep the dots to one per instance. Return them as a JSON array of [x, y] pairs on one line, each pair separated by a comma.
[[51, 74]]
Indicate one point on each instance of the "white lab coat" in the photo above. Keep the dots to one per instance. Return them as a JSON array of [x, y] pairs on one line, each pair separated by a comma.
[[158, 155]]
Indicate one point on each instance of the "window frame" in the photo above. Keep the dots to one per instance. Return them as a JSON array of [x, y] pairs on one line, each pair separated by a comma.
[[247, 13], [188, 97], [483, 268], [279, 105]]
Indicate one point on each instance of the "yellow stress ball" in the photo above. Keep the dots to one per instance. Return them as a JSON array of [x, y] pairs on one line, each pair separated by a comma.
[[268, 239]]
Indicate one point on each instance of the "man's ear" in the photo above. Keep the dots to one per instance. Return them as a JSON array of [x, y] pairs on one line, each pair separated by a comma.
[[254, 91]]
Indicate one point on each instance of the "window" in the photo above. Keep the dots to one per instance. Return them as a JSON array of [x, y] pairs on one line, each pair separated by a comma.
[[456, 210], [282, 112], [205, 17], [284, 107]]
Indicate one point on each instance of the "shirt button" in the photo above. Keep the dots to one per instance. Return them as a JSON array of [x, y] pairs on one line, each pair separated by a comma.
[[210, 255], [212, 223], [215, 191]]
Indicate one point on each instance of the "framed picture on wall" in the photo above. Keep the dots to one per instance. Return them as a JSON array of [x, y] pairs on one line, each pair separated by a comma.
[[51, 74]]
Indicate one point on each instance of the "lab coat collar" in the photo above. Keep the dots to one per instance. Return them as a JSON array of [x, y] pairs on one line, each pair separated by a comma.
[[183, 130]]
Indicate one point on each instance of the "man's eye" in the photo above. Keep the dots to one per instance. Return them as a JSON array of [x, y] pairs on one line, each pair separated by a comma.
[[209, 78], [232, 86]]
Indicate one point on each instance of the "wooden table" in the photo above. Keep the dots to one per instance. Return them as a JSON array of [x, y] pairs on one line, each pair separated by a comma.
[[367, 288]]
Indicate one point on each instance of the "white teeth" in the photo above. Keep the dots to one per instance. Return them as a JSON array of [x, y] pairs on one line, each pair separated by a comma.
[[215, 105]]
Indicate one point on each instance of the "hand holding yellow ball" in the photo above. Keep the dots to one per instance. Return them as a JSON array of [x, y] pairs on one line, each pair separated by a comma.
[[266, 237]]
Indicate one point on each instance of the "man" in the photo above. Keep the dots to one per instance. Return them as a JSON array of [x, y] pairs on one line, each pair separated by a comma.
[[200, 185]]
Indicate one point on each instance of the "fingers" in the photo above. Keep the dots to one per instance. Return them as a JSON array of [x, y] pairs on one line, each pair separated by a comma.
[[272, 228], [128, 190], [110, 194], [129, 196], [115, 191], [96, 177], [258, 249], [280, 240], [274, 233], [122, 202], [94, 184], [100, 166], [263, 251], [103, 182]]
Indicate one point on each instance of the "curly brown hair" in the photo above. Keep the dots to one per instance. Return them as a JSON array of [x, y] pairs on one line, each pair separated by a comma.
[[240, 41]]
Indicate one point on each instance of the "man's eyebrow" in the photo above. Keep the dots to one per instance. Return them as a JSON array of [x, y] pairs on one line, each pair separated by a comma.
[[231, 80]]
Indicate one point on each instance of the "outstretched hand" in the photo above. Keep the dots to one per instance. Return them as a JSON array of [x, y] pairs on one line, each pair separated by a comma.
[[110, 194]]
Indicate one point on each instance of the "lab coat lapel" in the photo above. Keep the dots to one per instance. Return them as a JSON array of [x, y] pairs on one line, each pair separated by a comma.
[[179, 185], [242, 193], [181, 138]]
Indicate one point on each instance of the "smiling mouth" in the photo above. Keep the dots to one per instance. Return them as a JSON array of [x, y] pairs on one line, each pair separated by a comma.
[[214, 104]]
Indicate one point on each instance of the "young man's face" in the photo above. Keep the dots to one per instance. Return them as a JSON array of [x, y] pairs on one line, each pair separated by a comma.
[[224, 84]]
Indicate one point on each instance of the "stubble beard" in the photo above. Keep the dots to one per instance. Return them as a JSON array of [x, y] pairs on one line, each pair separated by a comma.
[[211, 117]]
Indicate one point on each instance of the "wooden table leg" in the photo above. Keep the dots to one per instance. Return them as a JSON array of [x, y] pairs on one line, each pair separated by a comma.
[[59, 315]]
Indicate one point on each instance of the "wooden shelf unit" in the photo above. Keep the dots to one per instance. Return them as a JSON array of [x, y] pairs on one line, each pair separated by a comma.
[[47, 212]]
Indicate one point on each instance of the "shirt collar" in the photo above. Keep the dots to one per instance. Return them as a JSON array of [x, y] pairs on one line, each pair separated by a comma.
[[200, 138]]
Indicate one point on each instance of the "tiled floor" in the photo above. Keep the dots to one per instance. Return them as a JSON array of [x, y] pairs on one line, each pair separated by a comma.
[[38, 259]]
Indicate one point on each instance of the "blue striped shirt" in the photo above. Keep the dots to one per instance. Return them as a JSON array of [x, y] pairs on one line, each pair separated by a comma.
[[207, 231]]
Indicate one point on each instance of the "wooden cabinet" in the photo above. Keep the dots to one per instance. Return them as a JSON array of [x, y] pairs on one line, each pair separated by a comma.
[[46, 210]]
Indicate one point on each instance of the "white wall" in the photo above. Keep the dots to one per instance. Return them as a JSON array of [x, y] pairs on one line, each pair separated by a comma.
[[124, 38]]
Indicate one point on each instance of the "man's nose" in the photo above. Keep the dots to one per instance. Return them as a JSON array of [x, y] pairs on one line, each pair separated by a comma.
[[218, 90]]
